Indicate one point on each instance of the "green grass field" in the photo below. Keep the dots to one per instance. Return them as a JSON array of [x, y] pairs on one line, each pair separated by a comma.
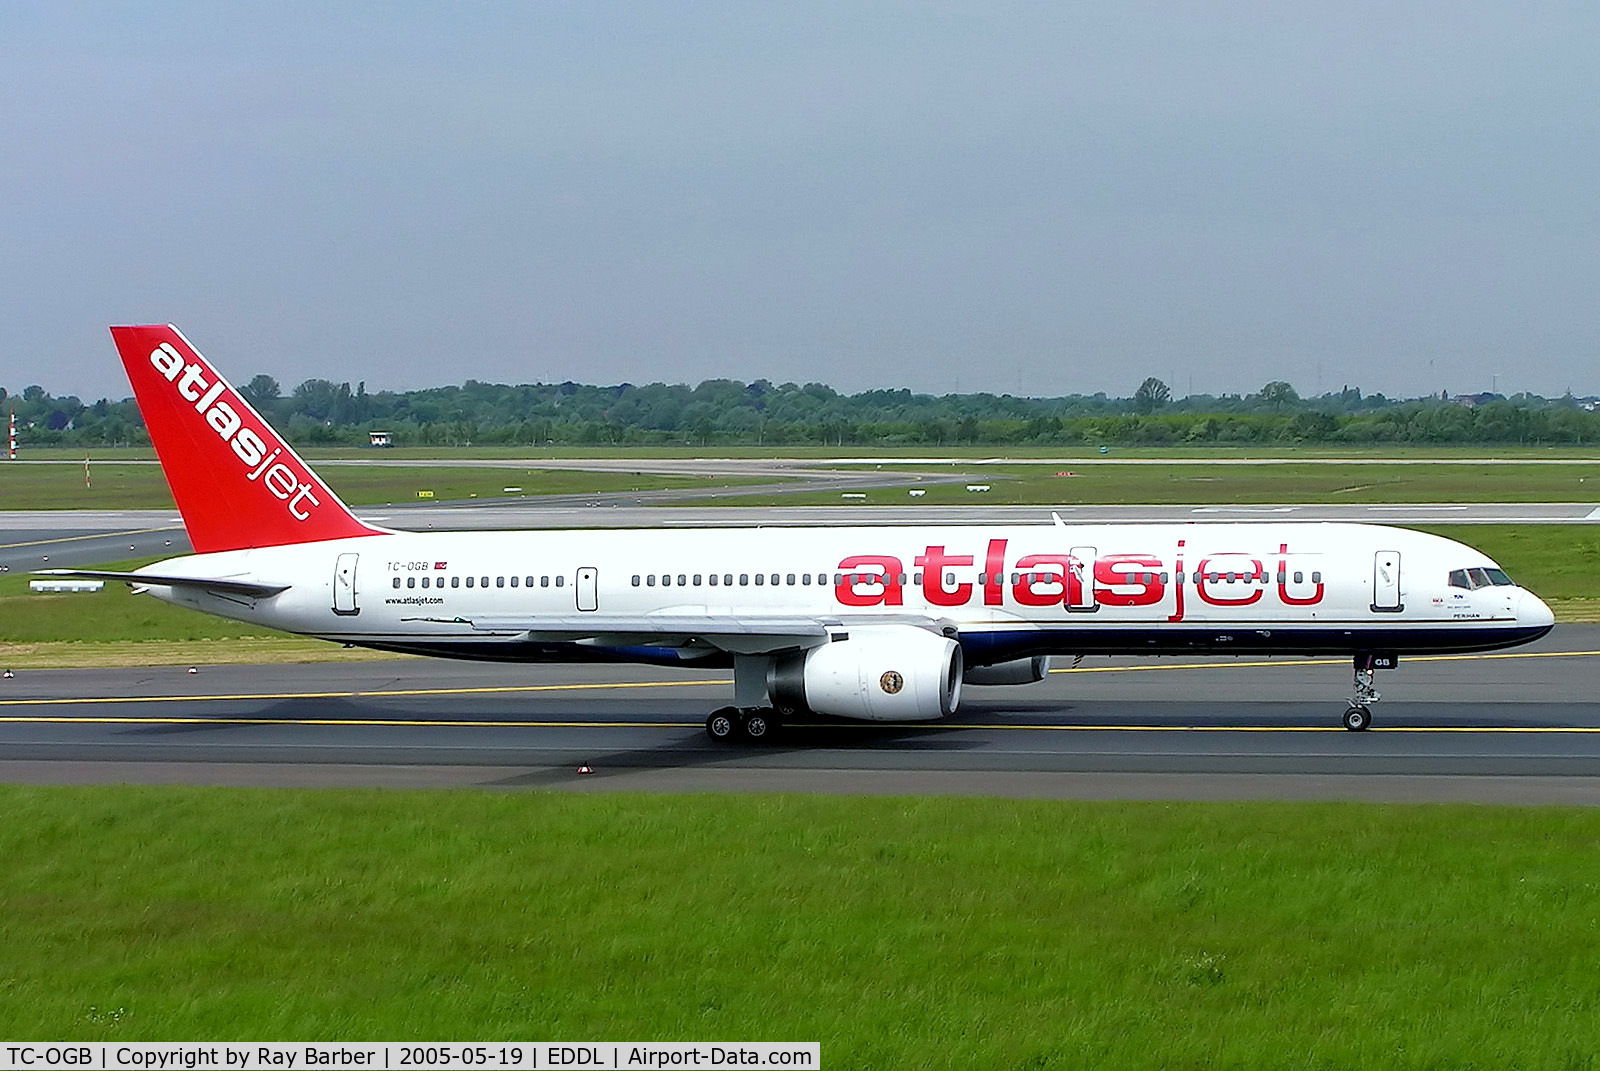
[[858, 451], [122, 485], [925, 933], [142, 486], [1204, 484]]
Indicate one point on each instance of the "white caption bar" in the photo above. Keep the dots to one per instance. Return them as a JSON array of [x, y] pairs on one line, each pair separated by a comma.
[[258, 1056]]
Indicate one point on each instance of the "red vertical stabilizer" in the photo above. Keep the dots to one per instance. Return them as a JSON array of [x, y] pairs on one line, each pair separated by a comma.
[[237, 483]]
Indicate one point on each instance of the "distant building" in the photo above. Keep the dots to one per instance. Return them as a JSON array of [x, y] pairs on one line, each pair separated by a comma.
[[1472, 401], [381, 438]]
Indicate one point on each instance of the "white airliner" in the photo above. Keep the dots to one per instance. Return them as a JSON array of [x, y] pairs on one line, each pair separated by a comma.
[[873, 623]]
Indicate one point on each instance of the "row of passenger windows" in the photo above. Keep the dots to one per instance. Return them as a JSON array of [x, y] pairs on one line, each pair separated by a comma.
[[684, 580], [1466, 578], [478, 581]]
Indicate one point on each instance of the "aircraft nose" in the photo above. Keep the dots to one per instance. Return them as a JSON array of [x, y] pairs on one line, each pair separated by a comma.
[[1532, 612]]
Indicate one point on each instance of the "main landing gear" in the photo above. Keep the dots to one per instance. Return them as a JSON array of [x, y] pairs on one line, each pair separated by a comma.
[[753, 724], [1359, 716]]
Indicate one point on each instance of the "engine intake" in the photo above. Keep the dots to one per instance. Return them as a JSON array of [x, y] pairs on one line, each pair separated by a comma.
[[881, 673]]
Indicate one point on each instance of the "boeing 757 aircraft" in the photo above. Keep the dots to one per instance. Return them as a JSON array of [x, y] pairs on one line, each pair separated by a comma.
[[873, 623]]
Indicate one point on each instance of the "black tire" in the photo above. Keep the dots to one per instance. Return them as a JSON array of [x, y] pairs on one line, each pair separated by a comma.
[[1357, 719], [721, 725], [757, 726]]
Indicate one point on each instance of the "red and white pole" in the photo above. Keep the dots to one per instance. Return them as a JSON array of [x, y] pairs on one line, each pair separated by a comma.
[[13, 449]]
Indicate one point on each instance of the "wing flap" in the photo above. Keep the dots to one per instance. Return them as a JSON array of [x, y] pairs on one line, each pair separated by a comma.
[[741, 635]]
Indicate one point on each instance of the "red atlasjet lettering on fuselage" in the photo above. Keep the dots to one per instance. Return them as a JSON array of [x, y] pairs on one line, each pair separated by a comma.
[[1224, 578]]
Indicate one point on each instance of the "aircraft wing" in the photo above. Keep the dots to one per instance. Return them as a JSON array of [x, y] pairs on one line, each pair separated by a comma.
[[741, 635], [223, 585]]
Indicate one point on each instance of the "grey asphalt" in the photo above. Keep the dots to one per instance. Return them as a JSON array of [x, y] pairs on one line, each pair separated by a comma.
[[46, 539], [1516, 727]]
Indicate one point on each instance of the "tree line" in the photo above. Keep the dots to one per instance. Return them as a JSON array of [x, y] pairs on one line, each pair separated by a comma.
[[725, 412]]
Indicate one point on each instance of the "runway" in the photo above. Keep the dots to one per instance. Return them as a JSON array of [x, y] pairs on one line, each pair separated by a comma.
[[1520, 726], [46, 539]]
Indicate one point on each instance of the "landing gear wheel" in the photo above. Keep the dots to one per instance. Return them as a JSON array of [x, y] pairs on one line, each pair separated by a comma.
[[1357, 719], [722, 724], [759, 725]]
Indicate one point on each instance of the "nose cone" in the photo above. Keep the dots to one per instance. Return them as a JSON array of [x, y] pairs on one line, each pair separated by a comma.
[[1532, 613]]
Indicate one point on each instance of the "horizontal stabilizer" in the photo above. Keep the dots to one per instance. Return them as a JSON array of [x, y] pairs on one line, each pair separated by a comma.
[[199, 583]]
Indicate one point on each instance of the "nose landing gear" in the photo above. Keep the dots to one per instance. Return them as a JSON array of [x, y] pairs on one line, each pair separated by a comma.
[[1359, 716]]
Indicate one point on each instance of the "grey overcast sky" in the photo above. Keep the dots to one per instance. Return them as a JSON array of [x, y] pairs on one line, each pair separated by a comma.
[[1027, 198]]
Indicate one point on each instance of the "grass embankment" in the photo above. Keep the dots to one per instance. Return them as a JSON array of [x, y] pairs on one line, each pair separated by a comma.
[[857, 451], [126, 486], [115, 627], [1199, 483], [898, 932]]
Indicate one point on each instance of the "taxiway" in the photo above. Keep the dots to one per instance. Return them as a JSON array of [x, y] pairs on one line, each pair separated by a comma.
[[1518, 726]]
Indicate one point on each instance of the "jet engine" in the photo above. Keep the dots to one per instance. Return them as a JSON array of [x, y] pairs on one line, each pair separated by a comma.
[[880, 673], [1017, 671]]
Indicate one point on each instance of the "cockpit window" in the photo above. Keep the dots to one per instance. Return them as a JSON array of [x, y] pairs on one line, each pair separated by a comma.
[[1479, 578]]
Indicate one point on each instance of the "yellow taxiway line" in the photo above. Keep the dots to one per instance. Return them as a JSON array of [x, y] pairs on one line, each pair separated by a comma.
[[628, 685], [706, 683], [95, 535]]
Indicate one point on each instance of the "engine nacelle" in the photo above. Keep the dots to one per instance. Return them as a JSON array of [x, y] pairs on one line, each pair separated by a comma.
[[881, 673], [1018, 671]]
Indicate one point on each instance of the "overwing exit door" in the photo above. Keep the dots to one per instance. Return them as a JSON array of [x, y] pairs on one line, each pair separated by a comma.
[[588, 588]]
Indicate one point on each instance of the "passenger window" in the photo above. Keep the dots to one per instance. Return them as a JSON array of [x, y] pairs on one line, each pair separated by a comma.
[[529, 581], [513, 581], [761, 578], [666, 580], [411, 581], [499, 581], [697, 580], [426, 582], [396, 581], [789, 580], [483, 581], [744, 580], [713, 579], [455, 581], [1316, 578], [635, 579], [560, 581], [469, 581], [774, 579], [727, 580], [650, 580], [683, 581], [805, 579]]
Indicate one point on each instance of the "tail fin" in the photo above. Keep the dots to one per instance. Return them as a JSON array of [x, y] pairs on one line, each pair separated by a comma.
[[237, 484]]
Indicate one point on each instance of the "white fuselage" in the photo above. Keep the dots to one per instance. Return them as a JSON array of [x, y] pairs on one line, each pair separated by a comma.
[[1003, 592]]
